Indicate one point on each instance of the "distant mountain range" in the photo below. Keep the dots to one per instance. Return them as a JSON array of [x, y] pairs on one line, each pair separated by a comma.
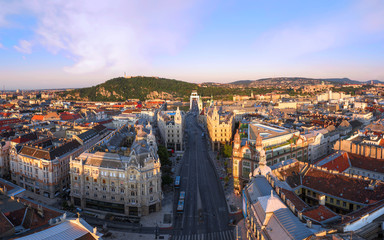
[[296, 81]]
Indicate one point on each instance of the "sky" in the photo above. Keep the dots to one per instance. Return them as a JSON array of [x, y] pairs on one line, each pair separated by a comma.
[[80, 43]]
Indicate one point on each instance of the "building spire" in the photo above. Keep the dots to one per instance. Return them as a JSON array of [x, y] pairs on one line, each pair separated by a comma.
[[259, 141]]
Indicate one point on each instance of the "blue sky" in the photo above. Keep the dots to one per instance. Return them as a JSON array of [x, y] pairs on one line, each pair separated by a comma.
[[47, 44]]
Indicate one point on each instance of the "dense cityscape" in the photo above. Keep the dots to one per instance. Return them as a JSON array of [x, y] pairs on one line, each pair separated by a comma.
[[191, 120], [260, 166]]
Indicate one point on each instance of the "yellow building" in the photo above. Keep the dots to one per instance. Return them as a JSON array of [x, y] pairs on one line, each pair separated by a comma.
[[220, 127]]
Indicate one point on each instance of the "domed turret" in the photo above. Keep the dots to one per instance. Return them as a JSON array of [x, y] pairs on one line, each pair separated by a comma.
[[263, 169]]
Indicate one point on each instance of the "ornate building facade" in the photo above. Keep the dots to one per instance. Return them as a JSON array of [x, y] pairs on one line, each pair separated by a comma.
[[42, 166], [119, 175], [220, 127], [279, 145]]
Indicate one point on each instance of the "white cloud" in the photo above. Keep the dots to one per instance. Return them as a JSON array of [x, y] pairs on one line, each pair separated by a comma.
[[24, 47], [2, 46], [353, 24], [111, 35]]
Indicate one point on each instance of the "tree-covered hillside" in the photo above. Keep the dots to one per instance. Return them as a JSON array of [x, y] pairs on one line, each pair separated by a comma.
[[120, 89]]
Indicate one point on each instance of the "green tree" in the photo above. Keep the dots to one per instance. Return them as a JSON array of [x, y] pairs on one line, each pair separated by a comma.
[[227, 152], [163, 155], [166, 180]]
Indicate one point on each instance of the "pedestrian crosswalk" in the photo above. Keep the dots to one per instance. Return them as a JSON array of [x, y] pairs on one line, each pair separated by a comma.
[[224, 235]]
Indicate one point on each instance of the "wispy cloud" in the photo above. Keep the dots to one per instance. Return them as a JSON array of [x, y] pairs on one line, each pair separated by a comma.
[[24, 47], [2, 46], [114, 36], [297, 39]]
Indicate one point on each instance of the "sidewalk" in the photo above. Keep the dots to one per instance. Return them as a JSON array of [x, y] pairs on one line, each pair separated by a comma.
[[140, 236], [163, 218]]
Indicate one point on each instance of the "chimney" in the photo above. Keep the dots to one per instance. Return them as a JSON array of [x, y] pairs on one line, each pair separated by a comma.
[[309, 223], [300, 215], [322, 200]]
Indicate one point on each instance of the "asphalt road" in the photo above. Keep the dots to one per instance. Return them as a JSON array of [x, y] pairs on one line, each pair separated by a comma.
[[205, 213]]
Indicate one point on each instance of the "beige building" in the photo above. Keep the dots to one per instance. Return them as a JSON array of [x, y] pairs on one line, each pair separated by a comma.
[[5, 146], [42, 166], [171, 127], [220, 127], [119, 175]]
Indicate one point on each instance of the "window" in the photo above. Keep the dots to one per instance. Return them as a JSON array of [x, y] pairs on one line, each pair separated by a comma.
[[104, 197], [122, 190], [121, 199], [338, 202], [246, 169], [344, 204], [113, 198], [331, 200], [95, 195], [104, 181]]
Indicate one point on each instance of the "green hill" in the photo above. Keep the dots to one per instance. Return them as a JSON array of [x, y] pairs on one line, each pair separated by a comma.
[[120, 89]]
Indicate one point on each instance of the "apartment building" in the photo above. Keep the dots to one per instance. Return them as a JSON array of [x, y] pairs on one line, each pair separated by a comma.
[[171, 128], [120, 175], [220, 127], [42, 166]]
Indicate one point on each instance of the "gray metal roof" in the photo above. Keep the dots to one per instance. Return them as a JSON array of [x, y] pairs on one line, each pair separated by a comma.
[[291, 224]]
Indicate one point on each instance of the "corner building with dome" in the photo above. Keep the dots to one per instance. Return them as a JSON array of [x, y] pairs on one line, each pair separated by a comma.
[[120, 175]]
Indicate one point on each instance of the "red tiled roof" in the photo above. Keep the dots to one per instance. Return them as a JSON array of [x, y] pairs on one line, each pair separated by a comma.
[[367, 163], [5, 224], [9, 187], [16, 217], [36, 220], [341, 186], [319, 213], [340, 163], [38, 117], [356, 215], [300, 205], [66, 116], [5, 114]]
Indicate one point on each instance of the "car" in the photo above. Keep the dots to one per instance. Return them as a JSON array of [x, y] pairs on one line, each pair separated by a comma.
[[232, 222]]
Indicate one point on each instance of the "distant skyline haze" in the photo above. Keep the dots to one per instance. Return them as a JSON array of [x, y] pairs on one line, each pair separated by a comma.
[[65, 44]]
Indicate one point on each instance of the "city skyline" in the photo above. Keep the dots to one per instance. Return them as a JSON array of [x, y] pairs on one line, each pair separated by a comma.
[[78, 44]]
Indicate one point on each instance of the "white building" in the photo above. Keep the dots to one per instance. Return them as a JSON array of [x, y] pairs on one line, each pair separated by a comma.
[[171, 127]]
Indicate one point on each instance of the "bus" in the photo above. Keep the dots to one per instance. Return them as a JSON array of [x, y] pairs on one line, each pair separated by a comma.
[[177, 182], [180, 206], [182, 195]]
